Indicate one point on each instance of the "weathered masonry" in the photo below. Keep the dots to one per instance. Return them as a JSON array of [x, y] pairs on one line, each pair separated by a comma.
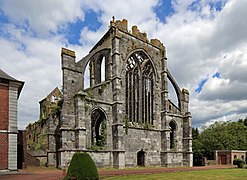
[[10, 89], [116, 105]]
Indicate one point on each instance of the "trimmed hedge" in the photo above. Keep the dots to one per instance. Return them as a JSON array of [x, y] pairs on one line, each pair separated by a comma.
[[239, 162], [82, 167]]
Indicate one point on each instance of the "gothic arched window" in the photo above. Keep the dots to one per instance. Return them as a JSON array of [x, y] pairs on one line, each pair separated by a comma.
[[139, 88], [173, 128], [98, 125]]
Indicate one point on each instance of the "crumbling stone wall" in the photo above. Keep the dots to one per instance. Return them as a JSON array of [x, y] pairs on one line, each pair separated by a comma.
[[42, 137], [125, 118]]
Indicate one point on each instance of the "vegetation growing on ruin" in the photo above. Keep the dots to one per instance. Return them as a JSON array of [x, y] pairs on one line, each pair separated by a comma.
[[126, 122], [81, 95], [102, 136], [147, 125], [103, 87], [86, 106], [39, 143], [56, 108]]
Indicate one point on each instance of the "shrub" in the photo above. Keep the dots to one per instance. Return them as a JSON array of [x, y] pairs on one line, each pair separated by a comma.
[[82, 167], [239, 162]]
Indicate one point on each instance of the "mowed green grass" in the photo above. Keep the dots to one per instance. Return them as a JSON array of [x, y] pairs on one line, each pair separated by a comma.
[[218, 174]]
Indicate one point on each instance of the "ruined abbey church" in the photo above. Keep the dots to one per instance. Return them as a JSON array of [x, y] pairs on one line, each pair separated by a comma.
[[125, 117]]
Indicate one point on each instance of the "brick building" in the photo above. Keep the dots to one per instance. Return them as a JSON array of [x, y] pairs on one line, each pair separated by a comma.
[[10, 89], [228, 156]]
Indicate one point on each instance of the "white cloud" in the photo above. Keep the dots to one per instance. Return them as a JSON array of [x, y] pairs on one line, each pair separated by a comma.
[[89, 38], [43, 16], [39, 69], [200, 41], [197, 42]]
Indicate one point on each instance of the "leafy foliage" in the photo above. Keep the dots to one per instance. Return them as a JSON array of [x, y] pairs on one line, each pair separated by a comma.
[[239, 162], [82, 167], [126, 122], [102, 137], [220, 136]]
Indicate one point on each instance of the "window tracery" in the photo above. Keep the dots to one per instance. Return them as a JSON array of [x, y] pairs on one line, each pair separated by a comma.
[[139, 88]]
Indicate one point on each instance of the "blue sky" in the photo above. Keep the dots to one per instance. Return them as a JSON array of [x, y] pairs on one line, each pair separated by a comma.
[[205, 42]]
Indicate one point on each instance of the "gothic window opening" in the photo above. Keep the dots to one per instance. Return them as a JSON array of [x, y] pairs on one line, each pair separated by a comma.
[[147, 86], [98, 124], [87, 76], [102, 75], [95, 71], [99, 70], [139, 89], [173, 128]]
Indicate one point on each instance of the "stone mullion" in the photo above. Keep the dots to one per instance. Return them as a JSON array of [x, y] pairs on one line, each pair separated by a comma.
[[132, 97], [92, 74], [149, 108], [140, 97], [152, 101], [127, 94], [145, 100], [137, 96]]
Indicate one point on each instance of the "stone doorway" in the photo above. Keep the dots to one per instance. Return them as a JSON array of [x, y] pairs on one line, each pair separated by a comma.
[[141, 158]]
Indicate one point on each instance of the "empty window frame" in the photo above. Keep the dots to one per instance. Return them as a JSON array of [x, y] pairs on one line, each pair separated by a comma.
[[139, 88]]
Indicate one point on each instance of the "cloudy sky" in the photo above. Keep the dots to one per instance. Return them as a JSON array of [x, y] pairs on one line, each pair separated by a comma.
[[206, 43]]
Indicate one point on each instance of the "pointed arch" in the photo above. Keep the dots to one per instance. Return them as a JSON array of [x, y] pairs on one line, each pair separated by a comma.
[[98, 127], [140, 78], [95, 68]]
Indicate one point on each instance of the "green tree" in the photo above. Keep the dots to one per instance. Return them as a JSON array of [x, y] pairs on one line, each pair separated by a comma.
[[245, 121], [223, 136], [198, 152], [195, 133]]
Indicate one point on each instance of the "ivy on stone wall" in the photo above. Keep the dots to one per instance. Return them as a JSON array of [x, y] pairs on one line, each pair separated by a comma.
[[103, 87], [39, 143], [102, 137], [126, 122]]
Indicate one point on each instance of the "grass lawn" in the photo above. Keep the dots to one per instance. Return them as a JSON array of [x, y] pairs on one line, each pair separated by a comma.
[[218, 174]]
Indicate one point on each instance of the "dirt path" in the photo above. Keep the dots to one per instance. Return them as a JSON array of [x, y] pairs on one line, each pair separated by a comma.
[[34, 174], [54, 174]]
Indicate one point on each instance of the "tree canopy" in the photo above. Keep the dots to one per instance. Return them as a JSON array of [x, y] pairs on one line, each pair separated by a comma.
[[219, 136]]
